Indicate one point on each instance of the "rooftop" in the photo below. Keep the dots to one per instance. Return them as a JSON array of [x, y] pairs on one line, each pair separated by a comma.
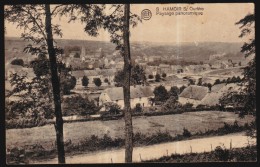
[[194, 92], [138, 91]]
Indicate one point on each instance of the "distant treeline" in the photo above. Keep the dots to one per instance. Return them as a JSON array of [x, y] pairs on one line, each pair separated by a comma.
[[173, 62], [68, 49]]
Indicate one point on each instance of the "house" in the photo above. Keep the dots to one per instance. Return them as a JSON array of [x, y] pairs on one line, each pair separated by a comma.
[[207, 80], [153, 58], [119, 65], [176, 69], [153, 70], [222, 64], [138, 94], [164, 67], [193, 94]]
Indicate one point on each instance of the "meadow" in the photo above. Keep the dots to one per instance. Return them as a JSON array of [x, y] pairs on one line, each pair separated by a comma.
[[174, 124]]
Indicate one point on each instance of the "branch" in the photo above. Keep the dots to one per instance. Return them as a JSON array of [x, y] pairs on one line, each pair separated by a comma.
[[44, 36], [116, 9], [56, 7]]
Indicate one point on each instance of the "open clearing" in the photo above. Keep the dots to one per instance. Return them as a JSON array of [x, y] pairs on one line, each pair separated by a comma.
[[158, 150], [174, 124]]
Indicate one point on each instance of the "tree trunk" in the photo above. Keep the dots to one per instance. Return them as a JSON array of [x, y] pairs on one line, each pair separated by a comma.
[[55, 87], [126, 88]]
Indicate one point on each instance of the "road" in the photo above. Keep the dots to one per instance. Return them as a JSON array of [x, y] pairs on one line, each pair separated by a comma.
[[156, 151]]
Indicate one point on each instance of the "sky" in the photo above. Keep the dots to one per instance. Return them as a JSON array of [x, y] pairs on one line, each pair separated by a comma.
[[217, 24]]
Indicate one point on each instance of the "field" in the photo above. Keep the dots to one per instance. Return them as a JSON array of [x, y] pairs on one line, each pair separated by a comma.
[[237, 71], [174, 124]]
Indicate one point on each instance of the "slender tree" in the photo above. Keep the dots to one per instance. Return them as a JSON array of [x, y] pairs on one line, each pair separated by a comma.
[[157, 78], [97, 82], [85, 81], [38, 31], [137, 76], [117, 24], [55, 86], [126, 87]]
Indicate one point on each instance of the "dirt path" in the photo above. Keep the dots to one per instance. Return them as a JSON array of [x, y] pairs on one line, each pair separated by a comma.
[[159, 150]]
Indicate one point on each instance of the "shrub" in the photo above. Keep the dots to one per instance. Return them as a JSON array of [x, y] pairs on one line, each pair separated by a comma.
[[201, 106], [164, 75], [97, 82], [106, 80], [186, 133], [18, 62], [222, 154], [16, 156], [138, 108], [187, 106], [150, 76], [157, 78]]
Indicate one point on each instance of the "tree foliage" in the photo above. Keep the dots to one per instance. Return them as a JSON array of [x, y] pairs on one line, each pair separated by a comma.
[[40, 32], [41, 67], [182, 88], [34, 98], [160, 94], [164, 75], [137, 76], [191, 82], [18, 62], [97, 82], [78, 105], [85, 81], [248, 28], [171, 104], [150, 76], [199, 82], [112, 108], [174, 91], [246, 97], [157, 78]]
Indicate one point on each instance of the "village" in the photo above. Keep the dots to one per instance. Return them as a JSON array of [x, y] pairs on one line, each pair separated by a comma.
[[122, 83], [197, 84]]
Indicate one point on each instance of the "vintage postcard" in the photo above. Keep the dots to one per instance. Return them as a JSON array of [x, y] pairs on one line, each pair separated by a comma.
[[130, 83]]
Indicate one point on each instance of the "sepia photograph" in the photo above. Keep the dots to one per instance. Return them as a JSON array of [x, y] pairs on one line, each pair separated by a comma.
[[130, 83]]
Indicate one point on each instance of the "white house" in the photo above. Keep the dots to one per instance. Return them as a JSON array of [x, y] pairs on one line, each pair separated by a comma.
[[138, 94]]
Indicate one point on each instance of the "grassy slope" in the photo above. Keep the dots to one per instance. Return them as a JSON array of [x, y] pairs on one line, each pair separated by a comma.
[[174, 124]]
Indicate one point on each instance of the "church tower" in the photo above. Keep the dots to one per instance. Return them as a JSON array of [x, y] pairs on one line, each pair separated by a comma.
[[83, 53]]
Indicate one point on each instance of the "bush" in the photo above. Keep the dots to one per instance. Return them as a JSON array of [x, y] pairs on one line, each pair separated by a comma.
[[24, 123], [150, 76], [222, 154], [138, 108], [16, 156], [186, 133], [187, 106], [201, 106], [18, 62]]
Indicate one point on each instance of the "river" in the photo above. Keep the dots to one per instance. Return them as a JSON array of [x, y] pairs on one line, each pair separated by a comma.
[[156, 151]]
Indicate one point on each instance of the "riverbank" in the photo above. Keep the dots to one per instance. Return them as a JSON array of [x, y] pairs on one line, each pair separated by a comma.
[[144, 153]]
